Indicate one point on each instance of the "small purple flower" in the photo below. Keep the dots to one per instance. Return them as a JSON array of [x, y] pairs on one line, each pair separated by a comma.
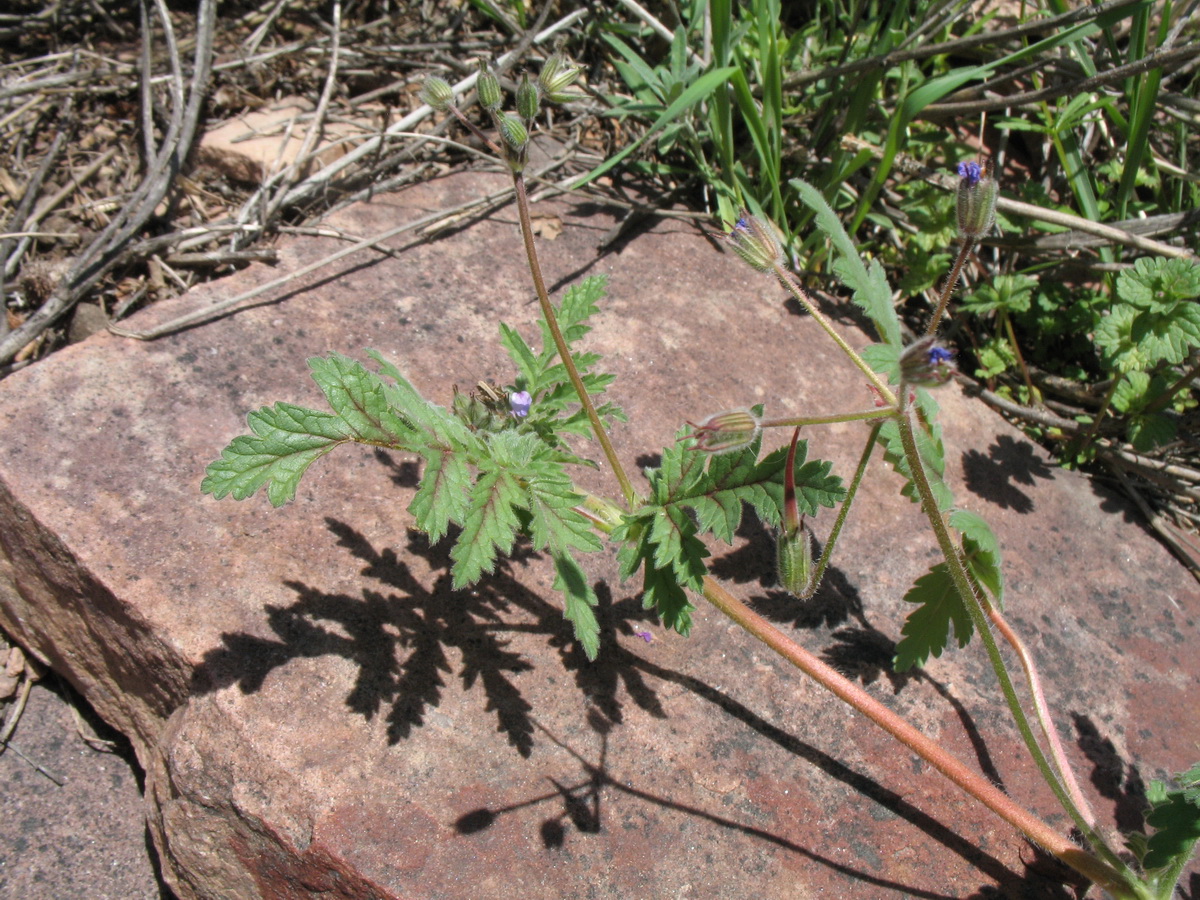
[[645, 636], [939, 356], [926, 363], [971, 171], [520, 401]]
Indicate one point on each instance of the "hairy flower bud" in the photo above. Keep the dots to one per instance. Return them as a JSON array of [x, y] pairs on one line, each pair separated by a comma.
[[488, 89], [437, 93], [756, 242], [926, 363], [726, 431], [528, 100], [977, 192], [794, 555], [556, 76]]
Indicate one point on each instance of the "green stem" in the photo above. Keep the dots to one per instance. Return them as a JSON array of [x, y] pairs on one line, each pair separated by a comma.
[[966, 589], [879, 413], [1042, 712], [1109, 878], [789, 281], [836, 531], [560, 343]]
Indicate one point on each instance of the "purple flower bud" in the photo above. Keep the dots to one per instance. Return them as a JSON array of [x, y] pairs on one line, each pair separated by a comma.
[[926, 363], [977, 192], [520, 402], [756, 242]]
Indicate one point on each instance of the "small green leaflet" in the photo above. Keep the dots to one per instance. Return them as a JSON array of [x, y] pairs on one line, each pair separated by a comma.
[[1175, 816], [927, 629], [286, 440], [981, 551], [929, 446], [555, 406], [579, 601]]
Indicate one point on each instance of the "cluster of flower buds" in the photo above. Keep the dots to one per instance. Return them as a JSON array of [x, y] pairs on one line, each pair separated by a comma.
[[726, 431], [977, 191], [556, 76], [926, 363]]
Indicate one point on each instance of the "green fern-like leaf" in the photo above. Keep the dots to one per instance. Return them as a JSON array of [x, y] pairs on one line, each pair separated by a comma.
[[579, 602], [285, 441], [490, 526]]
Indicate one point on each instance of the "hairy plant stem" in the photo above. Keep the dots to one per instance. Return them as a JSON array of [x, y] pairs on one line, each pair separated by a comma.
[[1042, 834], [879, 413], [836, 531], [1042, 711], [948, 290], [564, 352], [788, 280], [966, 588]]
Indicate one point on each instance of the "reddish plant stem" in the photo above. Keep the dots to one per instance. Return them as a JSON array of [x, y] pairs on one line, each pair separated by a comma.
[[972, 782], [560, 343]]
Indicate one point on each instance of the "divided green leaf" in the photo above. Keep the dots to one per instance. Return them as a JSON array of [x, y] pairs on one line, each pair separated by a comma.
[[869, 284], [926, 631]]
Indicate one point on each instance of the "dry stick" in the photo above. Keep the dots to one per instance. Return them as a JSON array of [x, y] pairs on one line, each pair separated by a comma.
[[1157, 59], [318, 120], [225, 307], [931, 751], [108, 249], [44, 209], [886, 61], [17, 220]]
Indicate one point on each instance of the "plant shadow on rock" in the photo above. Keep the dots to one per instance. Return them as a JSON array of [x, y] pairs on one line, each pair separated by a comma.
[[425, 623], [400, 640], [1008, 463]]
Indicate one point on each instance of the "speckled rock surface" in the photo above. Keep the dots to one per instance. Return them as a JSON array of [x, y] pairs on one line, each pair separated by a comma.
[[77, 828], [320, 714]]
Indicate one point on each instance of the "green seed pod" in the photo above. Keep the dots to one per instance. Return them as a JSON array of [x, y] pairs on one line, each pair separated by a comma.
[[514, 132], [794, 553], [437, 93], [557, 74], [488, 87], [528, 100]]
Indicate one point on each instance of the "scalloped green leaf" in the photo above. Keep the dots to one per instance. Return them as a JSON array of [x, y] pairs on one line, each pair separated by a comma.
[[926, 631]]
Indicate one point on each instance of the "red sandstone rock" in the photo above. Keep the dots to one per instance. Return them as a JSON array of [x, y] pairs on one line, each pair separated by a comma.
[[320, 714]]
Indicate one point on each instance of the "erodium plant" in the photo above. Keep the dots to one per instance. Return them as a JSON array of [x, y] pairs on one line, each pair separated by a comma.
[[498, 467]]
